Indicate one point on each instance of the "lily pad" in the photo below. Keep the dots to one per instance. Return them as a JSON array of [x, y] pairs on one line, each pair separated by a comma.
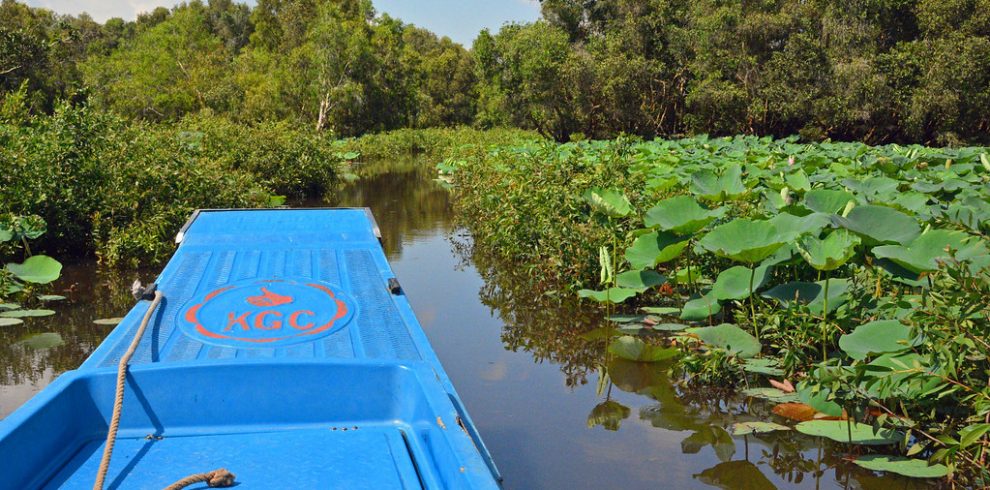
[[610, 295], [879, 225], [707, 185], [849, 432], [6, 322], [913, 468], [633, 349], [610, 202], [790, 227], [654, 248], [732, 339], [876, 337], [744, 428], [38, 269], [9, 306], [25, 313], [50, 297], [743, 240], [42, 340], [681, 215], [772, 394], [762, 366], [660, 310], [108, 321], [811, 294]]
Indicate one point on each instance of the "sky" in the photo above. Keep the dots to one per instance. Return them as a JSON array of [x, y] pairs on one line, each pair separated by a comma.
[[460, 20]]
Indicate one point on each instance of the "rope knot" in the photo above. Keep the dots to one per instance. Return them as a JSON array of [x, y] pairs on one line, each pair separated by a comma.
[[220, 478]]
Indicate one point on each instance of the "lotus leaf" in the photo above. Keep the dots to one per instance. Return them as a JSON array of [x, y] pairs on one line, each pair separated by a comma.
[[829, 253], [728, 186], [639, 280], [826, 200], [733, 283], [876, 337], [38, 269], [26, 313], [6, 322], [9, 306], [701, 307], [790, 227], [924, 252], [42, 340], [743, 240], [762, 366], [681, 215], [732, 339], [772, 394], [744, 428], [632, 349], [879, 224], [610, 295], [811, 294], [913, 468], [108, 321], [819, 400], [610, 202], [849, 432], [654, 248], [50, 297]]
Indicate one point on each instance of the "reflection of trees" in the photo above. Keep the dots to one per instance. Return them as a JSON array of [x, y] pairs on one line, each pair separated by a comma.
[[403, 197], [547, 326], [91, 295]]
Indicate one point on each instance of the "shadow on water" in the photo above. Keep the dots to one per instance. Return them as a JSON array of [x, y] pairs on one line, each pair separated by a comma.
[[553, 412]]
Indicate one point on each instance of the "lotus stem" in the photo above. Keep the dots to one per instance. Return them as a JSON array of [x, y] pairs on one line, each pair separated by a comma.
[[752, 303], [825, 322]]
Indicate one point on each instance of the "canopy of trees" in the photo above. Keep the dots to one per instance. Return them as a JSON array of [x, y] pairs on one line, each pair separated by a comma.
[[873, 70]]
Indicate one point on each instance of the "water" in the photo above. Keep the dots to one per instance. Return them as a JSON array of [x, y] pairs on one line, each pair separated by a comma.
[[529, 378]]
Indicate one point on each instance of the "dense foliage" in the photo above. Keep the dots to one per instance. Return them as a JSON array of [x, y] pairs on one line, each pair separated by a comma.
[[858, 272]]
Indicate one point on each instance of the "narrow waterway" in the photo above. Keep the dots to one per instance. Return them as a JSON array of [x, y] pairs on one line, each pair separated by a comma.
[[523, 364]]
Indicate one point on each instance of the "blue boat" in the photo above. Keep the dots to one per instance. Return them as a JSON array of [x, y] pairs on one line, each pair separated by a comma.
[[282, 349]]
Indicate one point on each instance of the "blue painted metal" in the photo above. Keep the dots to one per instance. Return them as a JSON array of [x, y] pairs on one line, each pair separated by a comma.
[[279, 353]]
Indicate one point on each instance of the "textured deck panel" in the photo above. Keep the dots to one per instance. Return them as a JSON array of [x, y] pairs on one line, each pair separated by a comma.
[[214, 255]]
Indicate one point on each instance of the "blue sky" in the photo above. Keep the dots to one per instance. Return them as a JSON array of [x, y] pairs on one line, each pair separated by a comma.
[[461, 20]]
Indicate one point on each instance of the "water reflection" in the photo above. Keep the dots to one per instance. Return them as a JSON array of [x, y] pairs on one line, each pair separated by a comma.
[[553, 410]]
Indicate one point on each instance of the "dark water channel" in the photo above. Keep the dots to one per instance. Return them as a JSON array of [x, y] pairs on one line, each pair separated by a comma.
[[528, 376]]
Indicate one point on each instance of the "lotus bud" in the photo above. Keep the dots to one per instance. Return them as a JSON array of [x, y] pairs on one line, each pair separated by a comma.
[[785, 194], [790, 161], [985, 160], [849, 207], [948, 163]]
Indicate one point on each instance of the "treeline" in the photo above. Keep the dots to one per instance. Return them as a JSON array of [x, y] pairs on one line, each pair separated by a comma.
[[878, 71], [330, 65]]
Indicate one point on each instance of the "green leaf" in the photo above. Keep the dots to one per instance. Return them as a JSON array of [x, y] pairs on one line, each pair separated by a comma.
[[39, 269], [798, 180], [728, 337], [924, 252], [660, 310], [6, 234], [763, 366], [42, 340], [700, 308], [640, 280], [9, 306], [728, 186], [829, 253], [772, 394], [610, 295], [108, 321], [681, 215], [791, 227], [849, 432], [972, 433], [733, 283], [26, 313], [879, 224], [876, 337], [634, 349], [610, 202], [909, 467], [811, 294], [743, 240], [654, 248], [744, 428], [50, 297], [819, 400], [6, 322], [826, 200]]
